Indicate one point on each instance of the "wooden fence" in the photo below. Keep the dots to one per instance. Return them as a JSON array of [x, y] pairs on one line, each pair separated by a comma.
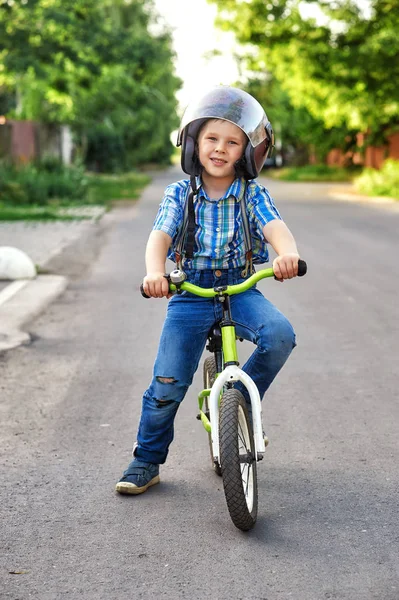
[[373, 156], [24, 141]]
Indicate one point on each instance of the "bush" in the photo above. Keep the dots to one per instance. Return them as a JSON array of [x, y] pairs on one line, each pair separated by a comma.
[[106, 152], [40, 182], [12, 192], [64, 181], [384, 182]]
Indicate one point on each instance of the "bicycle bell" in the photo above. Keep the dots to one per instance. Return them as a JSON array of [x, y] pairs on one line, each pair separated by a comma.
[[177, 276]]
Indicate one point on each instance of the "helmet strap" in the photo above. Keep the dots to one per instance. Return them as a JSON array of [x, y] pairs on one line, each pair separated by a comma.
[[190, 240]]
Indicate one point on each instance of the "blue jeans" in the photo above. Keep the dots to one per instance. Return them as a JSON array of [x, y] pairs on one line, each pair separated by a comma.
[[183, 339]]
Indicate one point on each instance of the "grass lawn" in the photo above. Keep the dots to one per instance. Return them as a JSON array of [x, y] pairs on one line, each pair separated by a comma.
[[312, 173], [102, 190], [366, 181], [28, 212]]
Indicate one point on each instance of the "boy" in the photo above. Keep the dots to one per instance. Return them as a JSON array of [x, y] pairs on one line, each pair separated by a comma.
[[225, 138]]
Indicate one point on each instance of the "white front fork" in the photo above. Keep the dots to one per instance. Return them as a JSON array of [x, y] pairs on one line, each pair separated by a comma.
[[229, 375]]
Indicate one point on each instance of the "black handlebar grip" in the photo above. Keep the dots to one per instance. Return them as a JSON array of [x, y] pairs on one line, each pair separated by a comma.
[[302, 268], [143, 292]]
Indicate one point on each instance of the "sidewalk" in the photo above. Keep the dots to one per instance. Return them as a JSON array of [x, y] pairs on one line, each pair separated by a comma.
[[52, 246]]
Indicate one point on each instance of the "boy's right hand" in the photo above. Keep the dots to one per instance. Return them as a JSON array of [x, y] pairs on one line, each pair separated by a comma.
[[156, 285]]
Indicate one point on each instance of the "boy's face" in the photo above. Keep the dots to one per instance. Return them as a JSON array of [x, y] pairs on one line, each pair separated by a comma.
[[220, 145]]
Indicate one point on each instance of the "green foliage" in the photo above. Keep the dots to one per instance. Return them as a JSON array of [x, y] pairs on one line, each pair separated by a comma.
[[12, 192], [7, 100], [311, 173], [106, 152], [38, 183], [104, 67], [341, 70], [105, 188], [384, 182], [9, 212], [20, 200], [295, 127]]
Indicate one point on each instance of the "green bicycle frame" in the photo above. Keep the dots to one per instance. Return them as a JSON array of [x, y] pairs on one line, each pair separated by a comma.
[[230, 355], [229, 338], [204, 419]]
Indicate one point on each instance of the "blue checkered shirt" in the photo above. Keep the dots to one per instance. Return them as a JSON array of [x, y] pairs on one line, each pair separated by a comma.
[[219, 234]]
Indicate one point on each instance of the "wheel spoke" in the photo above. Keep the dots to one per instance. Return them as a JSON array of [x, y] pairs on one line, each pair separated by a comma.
[[242, 440], [241, 435], [246, 471], [245, 480]]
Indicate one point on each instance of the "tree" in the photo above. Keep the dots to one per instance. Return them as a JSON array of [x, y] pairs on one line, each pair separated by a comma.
[[342, 70], [92, 64], [295, 128]]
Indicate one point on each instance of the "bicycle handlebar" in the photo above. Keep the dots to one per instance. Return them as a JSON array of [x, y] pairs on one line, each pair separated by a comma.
[[230, 290]]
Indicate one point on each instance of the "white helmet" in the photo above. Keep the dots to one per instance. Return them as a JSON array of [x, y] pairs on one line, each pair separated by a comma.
[[241, 109]]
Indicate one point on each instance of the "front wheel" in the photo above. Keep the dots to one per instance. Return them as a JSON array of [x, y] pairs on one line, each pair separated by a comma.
[[238, 460]]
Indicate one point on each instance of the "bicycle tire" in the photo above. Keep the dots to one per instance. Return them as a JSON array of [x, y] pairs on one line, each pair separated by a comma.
[[209, 379], [237, 446]]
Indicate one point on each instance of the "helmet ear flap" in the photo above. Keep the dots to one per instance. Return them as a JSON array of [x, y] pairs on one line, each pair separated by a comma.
[[189, 159], [250, 165], [255, 158], [187, 152]]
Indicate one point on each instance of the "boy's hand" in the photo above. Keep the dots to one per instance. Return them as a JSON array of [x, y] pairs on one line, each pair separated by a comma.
[[156, 285], [286, 266]]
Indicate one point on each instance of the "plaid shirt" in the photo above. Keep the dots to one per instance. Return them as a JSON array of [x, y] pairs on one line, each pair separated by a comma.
[[219, 235]]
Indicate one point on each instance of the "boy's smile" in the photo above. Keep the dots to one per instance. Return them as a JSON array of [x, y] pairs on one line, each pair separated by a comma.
[[220, 144]]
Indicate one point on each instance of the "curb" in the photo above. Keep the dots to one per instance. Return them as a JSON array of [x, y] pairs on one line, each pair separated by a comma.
[[23, 303], [349, 197]]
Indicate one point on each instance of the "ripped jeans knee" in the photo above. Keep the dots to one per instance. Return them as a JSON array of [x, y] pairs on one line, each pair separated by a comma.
[[166, 380], [167, 389], [156, 429]]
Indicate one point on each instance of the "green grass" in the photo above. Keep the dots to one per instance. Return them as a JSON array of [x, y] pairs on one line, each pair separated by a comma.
[[102, 190], [34, 213], [384, 182], [312, 173]]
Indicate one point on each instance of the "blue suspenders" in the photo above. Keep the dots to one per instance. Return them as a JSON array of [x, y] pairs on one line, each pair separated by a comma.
[[184, 247]]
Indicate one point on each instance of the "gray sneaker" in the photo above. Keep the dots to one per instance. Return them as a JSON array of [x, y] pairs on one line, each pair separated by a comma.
[[138, 477]]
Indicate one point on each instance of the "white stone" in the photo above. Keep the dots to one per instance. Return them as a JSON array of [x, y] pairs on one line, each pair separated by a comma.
[[15, 264]]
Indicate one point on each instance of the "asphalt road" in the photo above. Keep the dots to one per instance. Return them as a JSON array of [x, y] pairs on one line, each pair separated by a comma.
[[328, 487]]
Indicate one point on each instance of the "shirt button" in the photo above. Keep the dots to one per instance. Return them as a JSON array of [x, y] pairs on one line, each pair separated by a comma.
[[217, 228]]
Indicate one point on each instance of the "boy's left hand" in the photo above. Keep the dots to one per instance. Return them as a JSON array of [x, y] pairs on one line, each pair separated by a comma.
[[285, 266]]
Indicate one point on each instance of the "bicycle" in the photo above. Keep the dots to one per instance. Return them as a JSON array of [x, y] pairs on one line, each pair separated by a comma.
[[236, 441]]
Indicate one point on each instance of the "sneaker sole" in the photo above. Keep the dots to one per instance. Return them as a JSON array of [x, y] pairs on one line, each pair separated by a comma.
[[124, 487]]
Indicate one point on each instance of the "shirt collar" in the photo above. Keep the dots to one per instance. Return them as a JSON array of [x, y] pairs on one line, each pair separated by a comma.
[[234, 189]]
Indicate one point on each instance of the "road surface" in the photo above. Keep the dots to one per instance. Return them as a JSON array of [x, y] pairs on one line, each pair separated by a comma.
[[328, 487]]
